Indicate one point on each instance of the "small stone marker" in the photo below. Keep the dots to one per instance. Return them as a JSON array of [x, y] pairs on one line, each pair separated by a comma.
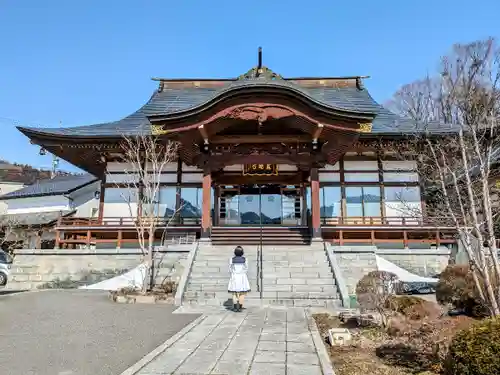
[[339, 336]]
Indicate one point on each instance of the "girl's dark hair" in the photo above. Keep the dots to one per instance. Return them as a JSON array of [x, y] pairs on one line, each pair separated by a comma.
[[238, 251]]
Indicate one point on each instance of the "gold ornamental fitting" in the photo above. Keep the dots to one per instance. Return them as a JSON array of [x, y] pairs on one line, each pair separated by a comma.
[[365, 127], [158, 130]]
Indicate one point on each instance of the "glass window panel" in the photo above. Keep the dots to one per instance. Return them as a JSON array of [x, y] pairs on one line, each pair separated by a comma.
[[120, 202], [329, 177], [308, 199], [402, 193], [167, 200], [395, 165], [354, 201], [191, 202], [120, 195], [402, 201], [371, 194], [360, 165], [330, 201], [330, 167], [361, 177], [401, 177], [363, 201]]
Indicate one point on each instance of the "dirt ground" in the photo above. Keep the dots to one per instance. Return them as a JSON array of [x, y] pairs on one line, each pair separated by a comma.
[[407, 346]]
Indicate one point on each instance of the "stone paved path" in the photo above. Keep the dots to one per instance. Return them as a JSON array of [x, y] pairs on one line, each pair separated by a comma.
[[254, 341]]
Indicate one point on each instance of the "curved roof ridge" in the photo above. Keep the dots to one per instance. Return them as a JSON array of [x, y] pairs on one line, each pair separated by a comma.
[[352, 104]]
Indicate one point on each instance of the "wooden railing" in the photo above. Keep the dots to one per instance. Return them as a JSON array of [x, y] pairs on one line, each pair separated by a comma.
[[126, 221], [187, 221], [387, 221]]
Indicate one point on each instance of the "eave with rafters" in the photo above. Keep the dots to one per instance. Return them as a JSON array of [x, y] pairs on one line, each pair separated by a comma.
[[259, 116]]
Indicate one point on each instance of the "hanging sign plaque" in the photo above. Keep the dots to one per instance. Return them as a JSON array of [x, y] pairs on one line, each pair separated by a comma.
[[260, 170]]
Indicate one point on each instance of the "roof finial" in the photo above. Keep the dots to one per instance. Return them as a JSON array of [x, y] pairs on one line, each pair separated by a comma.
[[259, 64]]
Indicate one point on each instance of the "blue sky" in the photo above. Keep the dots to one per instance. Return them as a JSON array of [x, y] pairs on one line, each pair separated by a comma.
[[81, 62]]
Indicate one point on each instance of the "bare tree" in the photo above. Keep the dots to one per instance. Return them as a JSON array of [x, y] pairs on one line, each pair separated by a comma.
[[375, 291], [146, 157], [14, 233], [457, 146]]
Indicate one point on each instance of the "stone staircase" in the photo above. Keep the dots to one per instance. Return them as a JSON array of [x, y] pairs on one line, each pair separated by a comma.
[[298, 276], [252, 235], [209, 277], [292, 275]]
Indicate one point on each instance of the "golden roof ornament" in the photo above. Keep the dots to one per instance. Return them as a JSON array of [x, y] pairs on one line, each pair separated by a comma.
[[365, 127], [158, 130]]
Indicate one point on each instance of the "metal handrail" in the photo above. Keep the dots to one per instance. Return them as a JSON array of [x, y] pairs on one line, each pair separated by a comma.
[[258, 270], [261, 277], [260, 244]]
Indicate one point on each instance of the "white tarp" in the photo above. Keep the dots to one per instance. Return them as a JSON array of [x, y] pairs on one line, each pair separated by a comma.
[[402, 274], [133, 278]]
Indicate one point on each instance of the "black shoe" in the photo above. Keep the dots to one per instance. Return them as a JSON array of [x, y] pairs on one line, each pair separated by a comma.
[[235, 307], [239, 307]]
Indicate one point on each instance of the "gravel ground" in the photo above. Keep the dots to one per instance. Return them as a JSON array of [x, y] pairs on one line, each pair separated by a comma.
[[79, 333]]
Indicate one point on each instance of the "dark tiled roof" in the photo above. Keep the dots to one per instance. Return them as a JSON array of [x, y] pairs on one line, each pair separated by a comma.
[[177, 100], [387, 122], [172, 101], [40, 218], [57, 185]]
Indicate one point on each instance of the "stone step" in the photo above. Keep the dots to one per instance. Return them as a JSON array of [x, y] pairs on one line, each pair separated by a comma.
[[221, 259], [297, 265], [299, 295], [295, 258], [224, 265], [296, 280], [286, 274], [309, 272], [273, 284], [221, 281], [331, 304]]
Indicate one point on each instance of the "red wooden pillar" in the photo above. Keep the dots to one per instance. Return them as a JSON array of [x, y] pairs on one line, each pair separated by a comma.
[[205, 211], [101, 199], [315, 205]]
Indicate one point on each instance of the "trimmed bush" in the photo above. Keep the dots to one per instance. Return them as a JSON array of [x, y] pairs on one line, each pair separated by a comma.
[[413, 307], [456, 287], [475, 351], [452, 284]]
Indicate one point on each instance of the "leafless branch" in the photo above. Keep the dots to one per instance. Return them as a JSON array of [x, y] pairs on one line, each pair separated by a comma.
[[146, 157], [456, 140]]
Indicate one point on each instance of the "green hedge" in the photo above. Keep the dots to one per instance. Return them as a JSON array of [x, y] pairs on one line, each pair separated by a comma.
[[475, 351]]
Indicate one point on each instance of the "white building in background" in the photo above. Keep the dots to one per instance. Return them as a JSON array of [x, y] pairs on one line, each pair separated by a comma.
[[7, 187], [34, 210]]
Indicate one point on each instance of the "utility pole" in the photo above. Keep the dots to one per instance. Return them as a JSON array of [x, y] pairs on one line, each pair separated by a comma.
[[55, 161], [55, 164]]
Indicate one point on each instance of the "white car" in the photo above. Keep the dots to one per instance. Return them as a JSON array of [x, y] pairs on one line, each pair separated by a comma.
[[5, 265]]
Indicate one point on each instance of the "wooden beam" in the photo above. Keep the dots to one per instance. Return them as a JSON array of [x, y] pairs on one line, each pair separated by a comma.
[[203, 132], [236, 139], [318, 131]]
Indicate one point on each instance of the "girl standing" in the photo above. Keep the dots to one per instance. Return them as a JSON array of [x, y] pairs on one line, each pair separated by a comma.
[[238, 281]]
